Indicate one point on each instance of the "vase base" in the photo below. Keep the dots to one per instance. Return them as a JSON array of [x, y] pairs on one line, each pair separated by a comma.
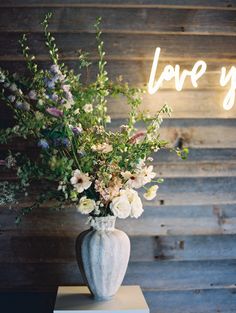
[[99, 298]]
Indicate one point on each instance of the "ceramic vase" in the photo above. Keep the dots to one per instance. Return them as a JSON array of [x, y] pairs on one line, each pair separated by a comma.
[[103, 254]]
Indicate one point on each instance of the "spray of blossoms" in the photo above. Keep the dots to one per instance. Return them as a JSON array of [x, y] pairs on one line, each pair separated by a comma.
[[78, 158]]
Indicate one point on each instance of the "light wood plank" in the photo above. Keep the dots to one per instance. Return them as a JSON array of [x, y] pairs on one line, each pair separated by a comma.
[[192, 301], [162, 220], [194, 133]]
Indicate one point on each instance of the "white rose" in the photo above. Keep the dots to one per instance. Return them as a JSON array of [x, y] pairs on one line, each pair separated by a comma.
[[120, 206], [135, 202], [86, 205], [151, 193]]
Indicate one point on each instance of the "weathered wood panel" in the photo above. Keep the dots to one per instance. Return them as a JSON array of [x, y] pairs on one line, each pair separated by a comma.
[[217, 4], [164, 275], [20, 248], [130, 46], [184, 105], [192, 301], [159, 220], [142, 20], [136, 73]]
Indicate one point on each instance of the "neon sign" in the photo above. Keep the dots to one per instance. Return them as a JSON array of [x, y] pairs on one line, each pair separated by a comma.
[[199, 68]]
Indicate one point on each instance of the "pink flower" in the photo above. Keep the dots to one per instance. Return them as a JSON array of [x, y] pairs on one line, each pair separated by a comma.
[[54, 112]]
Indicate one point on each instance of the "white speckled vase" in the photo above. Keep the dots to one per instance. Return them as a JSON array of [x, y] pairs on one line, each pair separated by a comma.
[[103, 254]]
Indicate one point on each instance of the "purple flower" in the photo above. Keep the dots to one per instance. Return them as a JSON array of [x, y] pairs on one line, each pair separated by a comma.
[[54, 112], [65, 142], [54, 97], [43, 144], [77, 130], [32, 95]]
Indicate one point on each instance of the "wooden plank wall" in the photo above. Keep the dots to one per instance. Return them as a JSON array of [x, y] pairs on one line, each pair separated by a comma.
[[183, 248]]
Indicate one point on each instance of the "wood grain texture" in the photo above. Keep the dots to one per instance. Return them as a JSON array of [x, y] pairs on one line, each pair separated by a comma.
[[21, 248], [192, 301], [161, 220], [127, 46], [217, 4], [136, 73], [131, 20], [164, 275]]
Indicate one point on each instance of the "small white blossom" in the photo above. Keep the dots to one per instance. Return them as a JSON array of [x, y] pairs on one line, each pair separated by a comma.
[[13, 87], [151, 193], [88, 108], [11, 98], [108, 119], [32, 95], [102, 147]]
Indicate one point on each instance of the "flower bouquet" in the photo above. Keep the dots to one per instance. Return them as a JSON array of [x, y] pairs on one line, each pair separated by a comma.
[[79, 157]]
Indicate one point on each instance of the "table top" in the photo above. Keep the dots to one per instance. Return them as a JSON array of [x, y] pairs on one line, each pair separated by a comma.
[[76, 299]]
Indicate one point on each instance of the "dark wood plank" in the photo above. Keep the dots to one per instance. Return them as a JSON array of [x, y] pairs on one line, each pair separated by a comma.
[[28, 302], [213, 4], [20, 248], [191, 301], [161, 275], [141, 20], [127, 46]]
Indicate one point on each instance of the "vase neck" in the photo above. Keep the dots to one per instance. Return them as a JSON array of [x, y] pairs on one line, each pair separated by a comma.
[[106, 223]]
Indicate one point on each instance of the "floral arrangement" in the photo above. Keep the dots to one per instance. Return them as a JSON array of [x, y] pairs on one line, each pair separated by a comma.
[[79, 159]]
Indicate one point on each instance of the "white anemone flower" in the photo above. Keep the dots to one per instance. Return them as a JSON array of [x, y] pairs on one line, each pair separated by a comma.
[[80, 181]]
